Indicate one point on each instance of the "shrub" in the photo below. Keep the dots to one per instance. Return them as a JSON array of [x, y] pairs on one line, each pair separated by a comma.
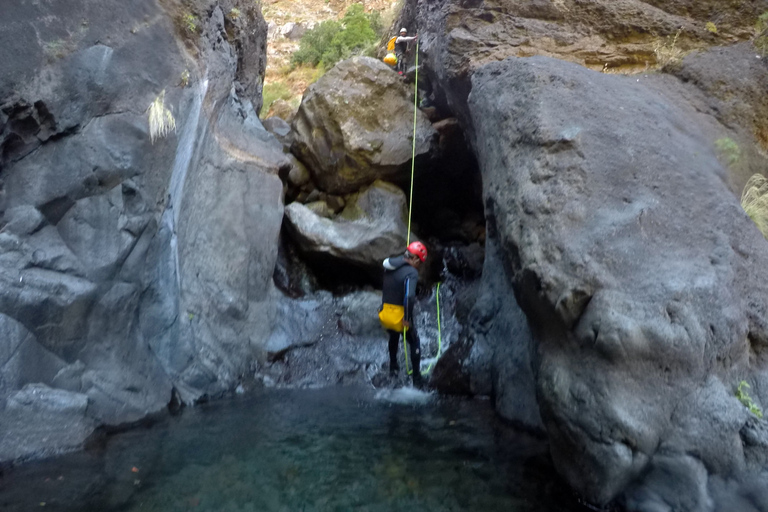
[[332, 41], [666, 50], [712, 27], [754, 201], [273, 92], [161, 120], [745, 399], [316, 42]]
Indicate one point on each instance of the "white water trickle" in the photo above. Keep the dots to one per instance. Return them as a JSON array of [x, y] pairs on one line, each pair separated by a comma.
[[184, 151], [404, 396]]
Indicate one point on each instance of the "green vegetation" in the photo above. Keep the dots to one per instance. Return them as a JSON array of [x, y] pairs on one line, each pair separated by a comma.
[[745, 399], [234, 13], [331, 41], [184, 78], [711, 27], [761, 37], [191, 22], [754, 201], [273, 92], [667, 52], [161, 120], [729, 150]]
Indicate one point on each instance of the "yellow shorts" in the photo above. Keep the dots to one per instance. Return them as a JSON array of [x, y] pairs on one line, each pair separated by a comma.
[[391, 317]]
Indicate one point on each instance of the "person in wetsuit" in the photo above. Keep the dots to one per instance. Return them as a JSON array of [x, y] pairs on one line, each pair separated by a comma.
[[401, 274], [401, 50]]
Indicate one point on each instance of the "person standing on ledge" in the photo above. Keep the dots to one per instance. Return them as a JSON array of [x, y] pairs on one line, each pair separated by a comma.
[[401, 49], [401, 274]]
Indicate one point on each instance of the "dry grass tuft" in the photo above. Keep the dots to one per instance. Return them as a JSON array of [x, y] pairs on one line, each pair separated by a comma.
[[754, 200], [161, 120], [667, 52]]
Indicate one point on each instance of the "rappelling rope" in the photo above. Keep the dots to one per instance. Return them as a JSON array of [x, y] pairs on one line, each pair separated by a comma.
[[413, 171], [413, 154], [410, 210]]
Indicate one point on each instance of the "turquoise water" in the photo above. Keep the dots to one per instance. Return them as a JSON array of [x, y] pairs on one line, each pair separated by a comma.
[[338, 449]]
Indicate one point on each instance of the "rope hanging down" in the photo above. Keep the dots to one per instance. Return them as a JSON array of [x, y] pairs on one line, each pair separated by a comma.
[[410, 210], [413, 170]]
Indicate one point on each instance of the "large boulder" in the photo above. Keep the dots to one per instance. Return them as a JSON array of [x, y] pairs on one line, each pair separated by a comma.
[[355, 125], [638, 271], [371, 227]]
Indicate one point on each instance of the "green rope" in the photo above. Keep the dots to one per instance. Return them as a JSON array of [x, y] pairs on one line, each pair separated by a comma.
[[413, 155], [439, 330], [405, 351], [413, 171]]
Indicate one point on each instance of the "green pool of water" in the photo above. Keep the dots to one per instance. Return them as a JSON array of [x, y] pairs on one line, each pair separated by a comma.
[[339, 449]]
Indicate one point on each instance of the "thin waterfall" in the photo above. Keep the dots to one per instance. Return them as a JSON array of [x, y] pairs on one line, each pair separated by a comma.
[[184, 151]]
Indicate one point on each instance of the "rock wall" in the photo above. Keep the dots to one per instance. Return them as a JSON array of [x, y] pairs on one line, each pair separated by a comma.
[[613, 219], [131, 271]]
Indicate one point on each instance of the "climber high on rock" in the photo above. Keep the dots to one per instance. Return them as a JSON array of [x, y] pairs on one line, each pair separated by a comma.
[[401, 49]]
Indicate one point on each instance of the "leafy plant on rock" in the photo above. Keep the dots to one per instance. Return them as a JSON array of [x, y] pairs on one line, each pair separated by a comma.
[[745, 399], [754, 201], [191, 22]]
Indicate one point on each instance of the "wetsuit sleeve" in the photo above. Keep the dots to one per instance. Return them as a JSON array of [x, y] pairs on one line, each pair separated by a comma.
[[402, 39], [393, 263]]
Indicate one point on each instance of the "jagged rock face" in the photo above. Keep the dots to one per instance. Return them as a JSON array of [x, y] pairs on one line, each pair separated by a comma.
[[355, 125], [129, 268], [637, 269], [371, 227], [458, 36]]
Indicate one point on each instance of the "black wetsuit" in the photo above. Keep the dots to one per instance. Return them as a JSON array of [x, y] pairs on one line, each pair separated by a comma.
[[399, 288], [401, 49]]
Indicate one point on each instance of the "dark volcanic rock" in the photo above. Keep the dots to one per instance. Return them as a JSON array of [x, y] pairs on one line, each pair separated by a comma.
[[638, 271], [129, 268]]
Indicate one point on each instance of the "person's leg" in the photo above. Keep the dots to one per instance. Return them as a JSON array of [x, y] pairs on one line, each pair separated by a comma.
[[400, 66], [415, 349], [394, 339]]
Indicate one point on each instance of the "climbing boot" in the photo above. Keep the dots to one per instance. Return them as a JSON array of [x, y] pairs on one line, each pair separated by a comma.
[[418, 383], [393, 369]]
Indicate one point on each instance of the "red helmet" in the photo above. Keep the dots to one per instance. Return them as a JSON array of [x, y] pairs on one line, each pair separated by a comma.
[[418, 249]]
